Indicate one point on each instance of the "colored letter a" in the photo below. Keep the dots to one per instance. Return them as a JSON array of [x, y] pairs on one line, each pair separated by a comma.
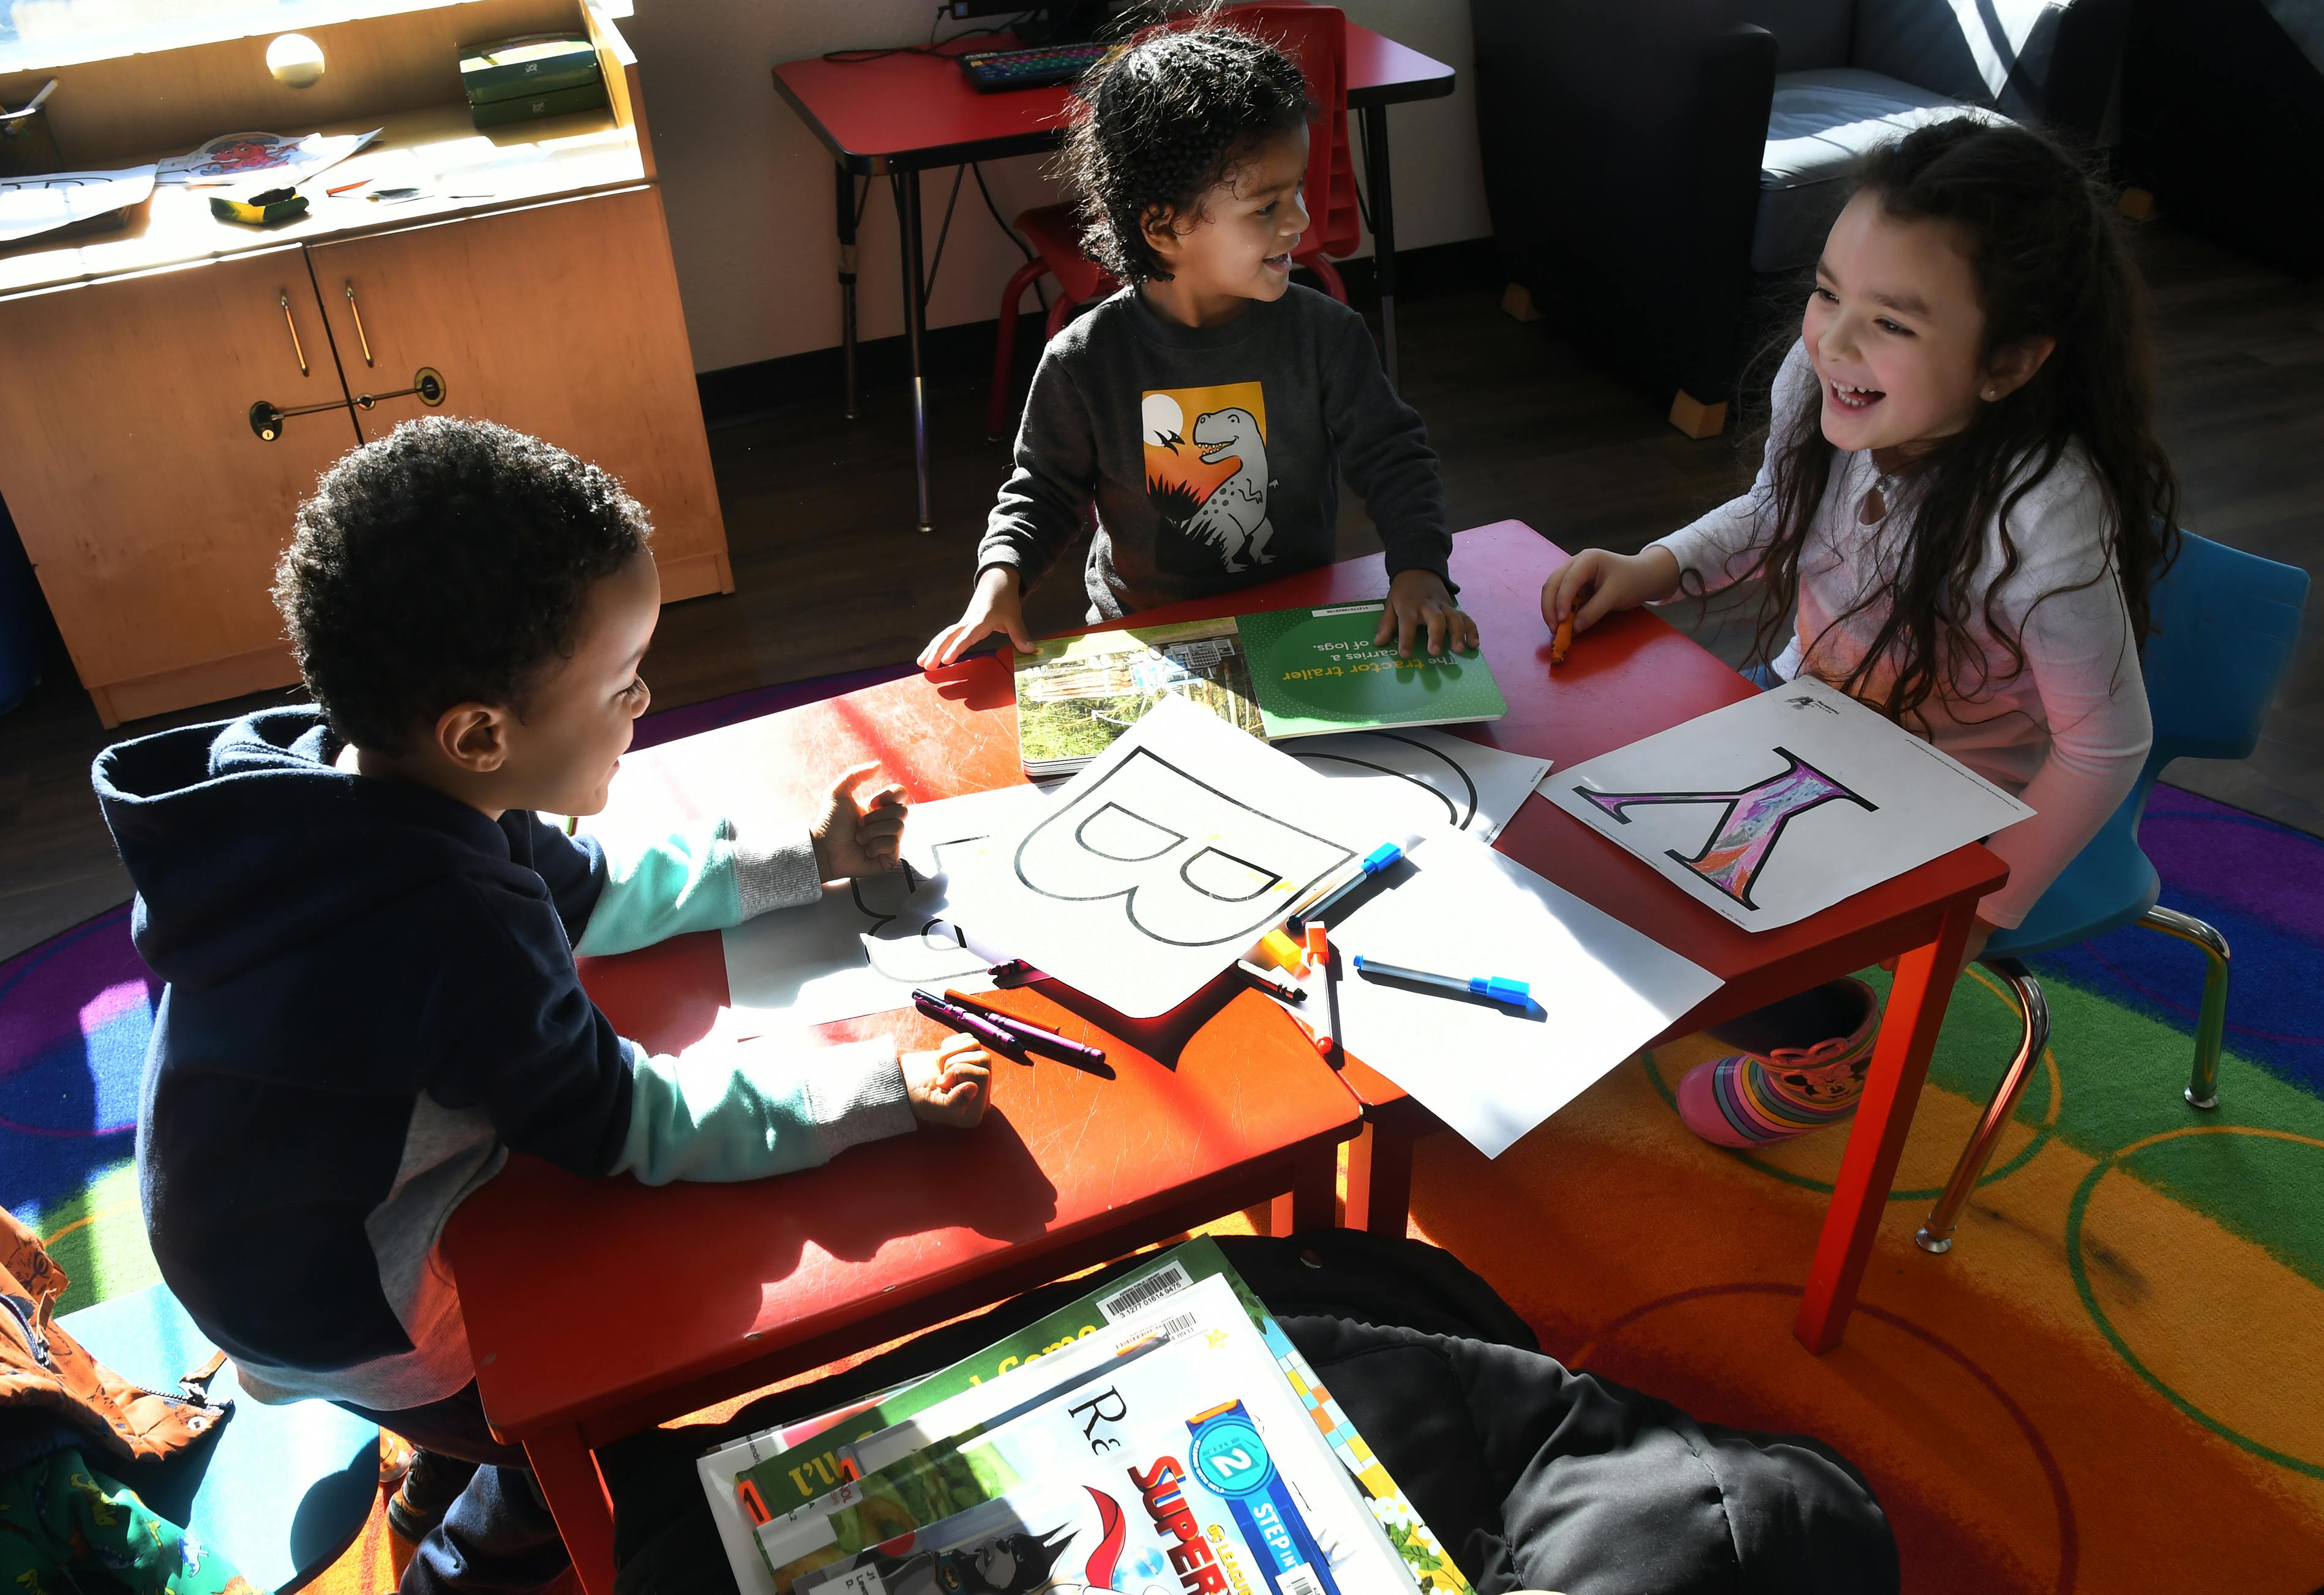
[[1749, 824]]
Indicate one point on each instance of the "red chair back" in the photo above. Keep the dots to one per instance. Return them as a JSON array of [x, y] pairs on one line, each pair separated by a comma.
[[1317, 37]]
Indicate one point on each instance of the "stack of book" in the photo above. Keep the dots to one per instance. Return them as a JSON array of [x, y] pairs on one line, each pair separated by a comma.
[[1160, 1435], [539, 75], [1283, 673]]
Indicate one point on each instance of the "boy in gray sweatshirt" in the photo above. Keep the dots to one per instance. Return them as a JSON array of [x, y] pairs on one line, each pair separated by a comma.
[[1206, 411]]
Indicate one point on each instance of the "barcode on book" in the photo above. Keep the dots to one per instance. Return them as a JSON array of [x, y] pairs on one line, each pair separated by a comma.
[[1299, 1580], [1169, 1329], [1166, 1280]]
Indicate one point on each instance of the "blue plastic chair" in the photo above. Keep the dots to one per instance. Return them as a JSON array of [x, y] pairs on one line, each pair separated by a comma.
[[2224, 626], [280, 1491]]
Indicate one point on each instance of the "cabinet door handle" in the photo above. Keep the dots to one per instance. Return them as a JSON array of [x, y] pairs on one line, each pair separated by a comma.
[[356, 311], [293, 326], [266, 418]]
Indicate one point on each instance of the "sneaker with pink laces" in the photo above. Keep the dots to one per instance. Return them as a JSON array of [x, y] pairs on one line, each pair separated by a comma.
[[1801, 1067]]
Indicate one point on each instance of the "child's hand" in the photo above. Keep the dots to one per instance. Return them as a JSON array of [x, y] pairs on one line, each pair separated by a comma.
[[994, 604], [859, 838], [1418, 598], [950, 1085], [1597, 581]]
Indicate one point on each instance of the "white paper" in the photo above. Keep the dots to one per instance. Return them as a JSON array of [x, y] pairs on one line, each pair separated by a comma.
[[1783, 804], [1601, 989], [867, 943], [260, 160], [718, 1470], [1431, 778], [30, 204], [1167, 858]]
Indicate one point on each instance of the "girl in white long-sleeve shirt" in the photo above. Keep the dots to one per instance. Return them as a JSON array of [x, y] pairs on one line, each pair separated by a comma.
[[1963, 497]]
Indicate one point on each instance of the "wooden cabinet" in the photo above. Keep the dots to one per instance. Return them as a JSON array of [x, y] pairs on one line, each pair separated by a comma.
[[153, 510], [560, 319]]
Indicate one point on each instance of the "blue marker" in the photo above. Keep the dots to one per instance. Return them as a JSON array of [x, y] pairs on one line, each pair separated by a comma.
[[1378, 859], [1493, 987]]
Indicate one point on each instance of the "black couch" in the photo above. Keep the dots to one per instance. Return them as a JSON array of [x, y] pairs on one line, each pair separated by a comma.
[[1652, 165], [2223, 121]]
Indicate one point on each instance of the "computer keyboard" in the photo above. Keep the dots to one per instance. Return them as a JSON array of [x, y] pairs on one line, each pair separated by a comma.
[[989, 71]]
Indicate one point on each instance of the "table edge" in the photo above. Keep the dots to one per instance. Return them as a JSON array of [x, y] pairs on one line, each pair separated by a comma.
[[636, 1397]]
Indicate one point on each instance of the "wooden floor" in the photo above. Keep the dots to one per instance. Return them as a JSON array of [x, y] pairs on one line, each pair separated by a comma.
[[831, 577]]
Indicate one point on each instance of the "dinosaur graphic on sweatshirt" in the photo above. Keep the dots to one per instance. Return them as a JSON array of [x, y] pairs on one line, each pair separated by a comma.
[[1210, 479]]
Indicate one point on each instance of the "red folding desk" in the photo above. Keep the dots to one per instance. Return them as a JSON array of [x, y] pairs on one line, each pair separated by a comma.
[[1630, 677], [597, 1308], [900, 114]]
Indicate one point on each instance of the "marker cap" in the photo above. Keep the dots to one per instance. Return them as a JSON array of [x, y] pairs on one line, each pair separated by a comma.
[[1281, 950]]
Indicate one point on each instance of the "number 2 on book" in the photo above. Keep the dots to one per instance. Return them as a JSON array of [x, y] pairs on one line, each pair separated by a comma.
[[1229, 1465]]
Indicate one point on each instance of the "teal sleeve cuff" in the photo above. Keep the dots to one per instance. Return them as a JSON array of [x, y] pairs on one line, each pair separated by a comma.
[[726, 1116], [685, 883]]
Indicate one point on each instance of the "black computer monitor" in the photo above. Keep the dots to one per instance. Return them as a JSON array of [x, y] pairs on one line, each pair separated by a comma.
[[1056, 22]]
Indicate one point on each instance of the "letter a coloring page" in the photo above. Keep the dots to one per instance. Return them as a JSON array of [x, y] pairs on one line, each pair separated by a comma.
[[1772, 808]]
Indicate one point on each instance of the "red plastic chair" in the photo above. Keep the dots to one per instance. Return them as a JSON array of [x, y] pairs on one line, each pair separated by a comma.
[[1319, 33]]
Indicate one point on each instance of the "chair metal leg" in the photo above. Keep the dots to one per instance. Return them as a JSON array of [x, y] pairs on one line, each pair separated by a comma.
[[2211, 1027], [1936, 1235]]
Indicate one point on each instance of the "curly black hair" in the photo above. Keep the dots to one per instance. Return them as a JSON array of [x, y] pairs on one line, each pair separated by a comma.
[[443, 564], [1163, 122]]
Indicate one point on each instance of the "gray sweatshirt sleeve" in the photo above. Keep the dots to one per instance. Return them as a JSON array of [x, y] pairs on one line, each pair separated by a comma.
[[1039, 513], [1383, 447]]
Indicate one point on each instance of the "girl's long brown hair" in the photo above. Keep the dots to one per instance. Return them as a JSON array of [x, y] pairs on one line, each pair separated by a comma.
[[2042, 245]]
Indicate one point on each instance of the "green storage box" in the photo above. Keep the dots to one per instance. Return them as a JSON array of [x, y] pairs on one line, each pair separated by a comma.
[[530, 67]]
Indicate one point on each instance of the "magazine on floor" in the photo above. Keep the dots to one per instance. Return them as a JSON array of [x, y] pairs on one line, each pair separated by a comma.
[[1181, 1416], [785, 1477]]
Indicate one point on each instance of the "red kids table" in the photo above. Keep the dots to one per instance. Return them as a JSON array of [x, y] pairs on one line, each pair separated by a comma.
[[1630, 677]]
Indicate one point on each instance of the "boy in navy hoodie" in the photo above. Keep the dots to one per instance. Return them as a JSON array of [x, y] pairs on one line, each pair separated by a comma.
[[369, 937]]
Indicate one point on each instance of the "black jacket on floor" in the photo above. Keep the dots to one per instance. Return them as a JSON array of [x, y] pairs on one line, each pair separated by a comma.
[[1533, 1477]]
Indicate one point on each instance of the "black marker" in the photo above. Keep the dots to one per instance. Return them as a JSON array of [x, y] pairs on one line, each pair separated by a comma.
[[1269, 984], [1378, 859]]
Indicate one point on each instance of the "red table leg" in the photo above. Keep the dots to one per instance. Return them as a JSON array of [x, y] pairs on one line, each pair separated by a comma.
[[1900, 1062], [1313, 1195], [576, 1498], [1380, 1174]]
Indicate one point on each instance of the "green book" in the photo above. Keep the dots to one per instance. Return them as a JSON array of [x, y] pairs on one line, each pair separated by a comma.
[[1318, 670], [528, 68], [1283, 673], [557, 102]]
